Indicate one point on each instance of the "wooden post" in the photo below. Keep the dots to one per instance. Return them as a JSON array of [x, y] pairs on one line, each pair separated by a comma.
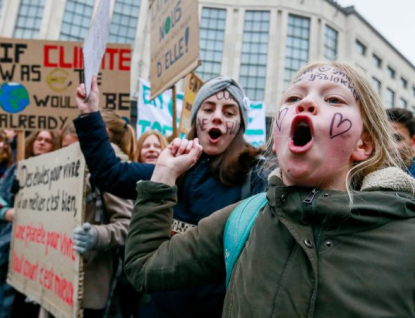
[[20, 145], [174, 112]]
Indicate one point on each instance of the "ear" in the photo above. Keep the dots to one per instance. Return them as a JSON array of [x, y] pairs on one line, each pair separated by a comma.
[[363, 149]]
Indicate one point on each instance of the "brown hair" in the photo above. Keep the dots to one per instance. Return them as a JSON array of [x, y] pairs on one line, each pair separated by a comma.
[[31, 140], [143, 137], [233, 165], [68, 130], [121, 133], [6, 154]]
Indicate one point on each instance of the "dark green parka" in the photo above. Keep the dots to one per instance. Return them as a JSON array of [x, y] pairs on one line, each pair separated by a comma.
[[309, 253]]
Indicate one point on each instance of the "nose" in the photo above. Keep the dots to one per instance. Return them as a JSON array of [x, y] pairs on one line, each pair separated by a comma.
[[307, 105], [217, 115]]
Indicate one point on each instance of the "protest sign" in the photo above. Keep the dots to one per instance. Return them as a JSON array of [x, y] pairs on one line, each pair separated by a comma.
[[157, 113], [38, 81], [191, 87], [255, 132], [174, 42], [94, 46], [48, 207]]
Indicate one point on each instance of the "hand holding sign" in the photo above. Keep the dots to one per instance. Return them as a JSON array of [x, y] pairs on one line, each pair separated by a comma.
[[92, 104]]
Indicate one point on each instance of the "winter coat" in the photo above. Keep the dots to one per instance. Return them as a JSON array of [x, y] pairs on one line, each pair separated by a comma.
[[201, 193], [110, 216], [309, 254]]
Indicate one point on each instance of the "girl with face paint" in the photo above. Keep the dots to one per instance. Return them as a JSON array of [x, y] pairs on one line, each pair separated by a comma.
[[225, 173], [335, 236]]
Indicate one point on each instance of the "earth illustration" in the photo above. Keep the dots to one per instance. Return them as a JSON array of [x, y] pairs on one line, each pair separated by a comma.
[[13, 97]]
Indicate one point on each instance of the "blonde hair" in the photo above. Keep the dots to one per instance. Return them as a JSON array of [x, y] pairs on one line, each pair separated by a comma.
[[31, 140], [121, 133], [143, 137], [375, 123], [68, 130]]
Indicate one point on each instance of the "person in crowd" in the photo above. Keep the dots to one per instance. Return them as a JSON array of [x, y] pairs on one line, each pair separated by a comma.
[[149, 146], [6, 155], [11, 302], [226, 172], [335, 237], [403, 123], [106, 224]]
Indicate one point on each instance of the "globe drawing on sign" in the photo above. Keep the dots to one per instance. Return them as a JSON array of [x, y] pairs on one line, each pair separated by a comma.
[[13, 97]]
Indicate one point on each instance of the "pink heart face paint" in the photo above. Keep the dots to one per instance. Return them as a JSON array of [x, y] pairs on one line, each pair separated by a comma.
[[318, 128]]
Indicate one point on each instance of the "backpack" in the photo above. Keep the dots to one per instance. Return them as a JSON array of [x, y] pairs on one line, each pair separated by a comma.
[[238, 227]]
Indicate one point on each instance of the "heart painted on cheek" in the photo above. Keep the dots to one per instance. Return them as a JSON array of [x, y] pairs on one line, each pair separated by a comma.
[[280, 117], [339, 125]]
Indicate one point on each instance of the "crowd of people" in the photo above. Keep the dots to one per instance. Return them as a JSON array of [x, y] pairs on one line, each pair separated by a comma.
[[332, 237]]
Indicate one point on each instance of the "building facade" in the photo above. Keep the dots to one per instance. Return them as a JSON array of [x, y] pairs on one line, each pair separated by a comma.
[[262, 43]]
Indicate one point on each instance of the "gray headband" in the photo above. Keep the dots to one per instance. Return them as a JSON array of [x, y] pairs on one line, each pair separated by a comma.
[[218, 84]]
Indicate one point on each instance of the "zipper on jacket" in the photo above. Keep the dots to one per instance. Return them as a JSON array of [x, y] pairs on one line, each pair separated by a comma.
[[309, 200]]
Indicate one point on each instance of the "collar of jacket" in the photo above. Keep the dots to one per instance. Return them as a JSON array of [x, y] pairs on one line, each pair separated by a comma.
[[386, 195]]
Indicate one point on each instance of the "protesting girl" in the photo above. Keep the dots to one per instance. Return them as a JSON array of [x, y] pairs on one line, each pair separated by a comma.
[[225, 173], [335, 238]]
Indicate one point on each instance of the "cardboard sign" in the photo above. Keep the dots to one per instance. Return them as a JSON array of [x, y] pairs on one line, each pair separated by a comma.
[[156, 114], [38, 81], [94, 46], [191, 87], [174, 42], [49, 205]]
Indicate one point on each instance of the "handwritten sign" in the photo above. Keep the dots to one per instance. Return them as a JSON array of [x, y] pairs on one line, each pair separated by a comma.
[[38, 80], [156, 114], [192, 85], [94, 46], [48, 207], [255, 132], [174, 42]]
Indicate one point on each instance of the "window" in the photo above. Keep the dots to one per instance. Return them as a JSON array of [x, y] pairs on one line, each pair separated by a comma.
[[124, 21], [254, 53], [76, 19], [212, 35], [29, 19], [391, 72], [296, 52], [377, 84], [360, 47], [330, 44], [404, 83], [403, 103], [390, 98], [377, 61]]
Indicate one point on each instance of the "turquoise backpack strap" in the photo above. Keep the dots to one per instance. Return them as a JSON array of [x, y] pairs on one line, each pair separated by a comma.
[[238, 227]]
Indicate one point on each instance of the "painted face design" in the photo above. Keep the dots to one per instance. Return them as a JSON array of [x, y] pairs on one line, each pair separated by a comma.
[[317, 129], [150, 150], [218, 120]]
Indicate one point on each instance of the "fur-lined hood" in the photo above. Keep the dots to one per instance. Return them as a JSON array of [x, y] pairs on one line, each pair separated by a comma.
[[388, 178]]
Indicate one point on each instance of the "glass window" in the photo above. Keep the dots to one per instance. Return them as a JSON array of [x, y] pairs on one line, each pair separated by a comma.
[[296, 53], [377, 61], [254, 53], [76, 19], [124, 21], [404, 82], [390, 98], [403, 103], [212, 34], [330, 44], [29, 19], [391, 72], [377, 84], [360, 47]]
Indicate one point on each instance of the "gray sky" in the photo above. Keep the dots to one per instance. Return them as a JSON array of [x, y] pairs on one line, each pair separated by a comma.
[[395, 20]]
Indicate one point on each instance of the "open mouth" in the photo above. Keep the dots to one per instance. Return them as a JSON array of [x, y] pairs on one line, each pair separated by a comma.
[[301, 134], [215, 134]]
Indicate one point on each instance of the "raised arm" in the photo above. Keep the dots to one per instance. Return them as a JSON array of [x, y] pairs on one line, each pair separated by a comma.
[[107, 171]]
